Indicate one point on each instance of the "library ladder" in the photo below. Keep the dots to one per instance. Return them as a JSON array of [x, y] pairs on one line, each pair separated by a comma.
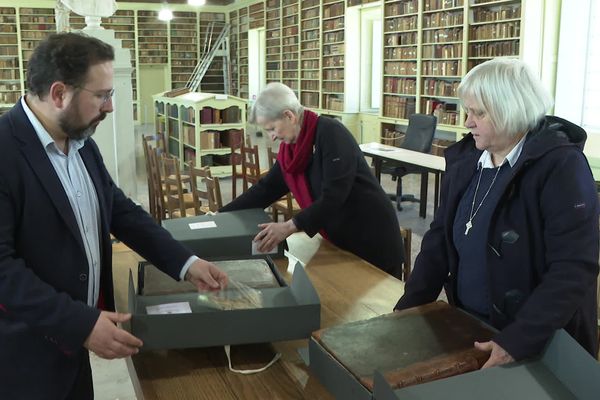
[[218, 47]]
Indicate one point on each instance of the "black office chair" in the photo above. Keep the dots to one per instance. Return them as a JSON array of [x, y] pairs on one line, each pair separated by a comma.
[[418, 137]]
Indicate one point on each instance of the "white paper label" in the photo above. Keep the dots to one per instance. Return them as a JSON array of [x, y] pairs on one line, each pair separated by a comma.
[[169, 308], [202, 225], [255, 249]]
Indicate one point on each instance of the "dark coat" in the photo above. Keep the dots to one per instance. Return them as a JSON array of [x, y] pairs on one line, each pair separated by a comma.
[[542, 253], [349, 204], [44, 319]]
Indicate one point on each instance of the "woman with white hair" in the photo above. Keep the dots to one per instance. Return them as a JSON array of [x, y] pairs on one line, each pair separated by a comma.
[[515, 240], [321, 164]]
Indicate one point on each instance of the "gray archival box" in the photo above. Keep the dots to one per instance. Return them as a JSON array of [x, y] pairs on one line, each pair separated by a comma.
[[221, 236], [285, 313]]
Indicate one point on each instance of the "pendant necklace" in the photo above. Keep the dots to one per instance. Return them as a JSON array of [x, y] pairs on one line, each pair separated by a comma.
[[472, 214]]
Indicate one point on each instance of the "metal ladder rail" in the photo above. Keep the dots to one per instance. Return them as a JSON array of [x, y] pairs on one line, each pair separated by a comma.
[[209, 54]]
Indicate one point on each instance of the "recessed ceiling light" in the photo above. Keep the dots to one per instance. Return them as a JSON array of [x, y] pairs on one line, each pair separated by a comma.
[[196, 2], [165, 14]]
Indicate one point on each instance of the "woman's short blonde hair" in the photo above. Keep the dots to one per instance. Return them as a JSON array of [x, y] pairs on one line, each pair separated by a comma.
[[272, 101], [508, 92]]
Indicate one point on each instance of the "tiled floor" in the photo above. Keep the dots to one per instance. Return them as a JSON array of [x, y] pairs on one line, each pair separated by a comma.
[[111, 379]]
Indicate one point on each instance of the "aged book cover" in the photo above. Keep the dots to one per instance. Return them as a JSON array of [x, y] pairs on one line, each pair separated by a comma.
[[409, 347]]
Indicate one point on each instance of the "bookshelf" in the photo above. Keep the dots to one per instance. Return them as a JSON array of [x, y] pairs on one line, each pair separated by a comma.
[[153, 39], [273, 40], [290, 40], [233, 51], [429, 45], [35, 24], [213, 79], [495, 29], [333, 55], [201, 128], [243, 51], [76, 22], [442, 59], [256, 15], [10, 69], [310, 53], [400, 58], [123, 23], [183, 30]]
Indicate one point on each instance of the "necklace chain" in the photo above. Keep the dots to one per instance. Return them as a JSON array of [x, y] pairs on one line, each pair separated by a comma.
[[472, 214]]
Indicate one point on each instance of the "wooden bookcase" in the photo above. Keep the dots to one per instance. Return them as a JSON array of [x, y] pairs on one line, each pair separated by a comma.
[[183, 30], [10, 68], [400, 54], [310, 53], [442, 63], [153, 38], [243, 52], [256, 15], [429, 46], [290, 41], [76, 22], [123, 23], [333, 55], [201, 128], [494, 29], [273, 40], [233, 52], [35, 25]]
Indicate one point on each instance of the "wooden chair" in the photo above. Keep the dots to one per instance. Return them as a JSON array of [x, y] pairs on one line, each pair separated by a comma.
[[152, 144], [236, 143], [215, 201], [199, 191], [250, 166], [176, 201], [287, 205], [155, 185]]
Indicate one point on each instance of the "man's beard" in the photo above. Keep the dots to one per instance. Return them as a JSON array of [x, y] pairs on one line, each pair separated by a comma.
[[75, 131]]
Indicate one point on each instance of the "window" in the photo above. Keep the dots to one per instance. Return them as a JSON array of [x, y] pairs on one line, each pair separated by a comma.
[[578, 69]]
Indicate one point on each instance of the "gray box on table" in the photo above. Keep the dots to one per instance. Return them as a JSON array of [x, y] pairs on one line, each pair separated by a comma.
[[221, 236], [287, 313], [563, 371]]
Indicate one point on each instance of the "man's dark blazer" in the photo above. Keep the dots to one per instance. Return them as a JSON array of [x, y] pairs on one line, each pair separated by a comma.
[[44, 319]]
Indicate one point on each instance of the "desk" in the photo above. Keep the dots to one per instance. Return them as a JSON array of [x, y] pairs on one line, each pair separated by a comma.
[[427, 162], [350, 289]]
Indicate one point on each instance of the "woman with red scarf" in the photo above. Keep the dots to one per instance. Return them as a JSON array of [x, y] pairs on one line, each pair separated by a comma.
[[321, 164]]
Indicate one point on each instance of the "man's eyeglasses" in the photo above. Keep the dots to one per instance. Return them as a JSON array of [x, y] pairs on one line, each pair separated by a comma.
[[105, 96]]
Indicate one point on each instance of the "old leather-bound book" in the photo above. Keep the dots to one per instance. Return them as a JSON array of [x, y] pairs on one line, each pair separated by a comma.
[[409, 347]]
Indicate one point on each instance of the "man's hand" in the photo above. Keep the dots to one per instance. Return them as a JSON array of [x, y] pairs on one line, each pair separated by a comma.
[[272, 234], [498, 355], [206, 276], [109, 341]]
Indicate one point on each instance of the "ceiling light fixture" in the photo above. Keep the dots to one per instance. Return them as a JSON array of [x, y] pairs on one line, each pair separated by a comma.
[[196, 2], [165, 14]]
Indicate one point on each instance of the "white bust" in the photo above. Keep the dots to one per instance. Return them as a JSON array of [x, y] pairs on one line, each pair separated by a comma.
[[91, 8]]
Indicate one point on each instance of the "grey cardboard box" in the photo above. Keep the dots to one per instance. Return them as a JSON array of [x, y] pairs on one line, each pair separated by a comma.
[[563, 371], [221, 236], [287, 313], [334, 376]]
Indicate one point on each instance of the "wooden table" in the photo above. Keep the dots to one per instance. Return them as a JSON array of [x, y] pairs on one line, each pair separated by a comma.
[[425, 162], [350, 289]]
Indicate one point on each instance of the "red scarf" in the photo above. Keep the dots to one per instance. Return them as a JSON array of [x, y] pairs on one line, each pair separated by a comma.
[[293, 159]]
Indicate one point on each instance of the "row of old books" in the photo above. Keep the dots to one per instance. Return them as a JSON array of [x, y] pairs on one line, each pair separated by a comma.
[[400, 85], [230, 115], [398, 107]]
